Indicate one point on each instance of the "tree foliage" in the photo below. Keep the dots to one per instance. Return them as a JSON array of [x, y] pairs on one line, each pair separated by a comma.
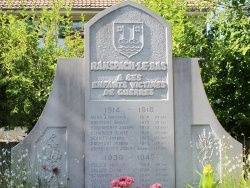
[[219, 36], [28, 56], [187, 29], [226, 65]]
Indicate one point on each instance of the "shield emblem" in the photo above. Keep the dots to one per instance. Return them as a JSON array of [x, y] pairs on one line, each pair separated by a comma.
[[128, 38]]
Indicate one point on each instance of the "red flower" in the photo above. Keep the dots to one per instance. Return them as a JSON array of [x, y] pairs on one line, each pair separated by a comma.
[[156, 185], [55, 170], [114, 183], [129, 181], [122, 182]]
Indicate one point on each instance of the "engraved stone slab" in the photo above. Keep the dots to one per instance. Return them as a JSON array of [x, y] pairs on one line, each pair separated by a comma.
[[52, 153], [129, 126], [200, 138]]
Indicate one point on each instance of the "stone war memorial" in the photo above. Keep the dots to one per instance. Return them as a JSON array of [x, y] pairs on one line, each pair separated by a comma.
[[127, 109]]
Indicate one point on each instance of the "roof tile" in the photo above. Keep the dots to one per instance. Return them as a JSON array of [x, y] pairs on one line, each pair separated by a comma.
[[85, 4], [17, 4]]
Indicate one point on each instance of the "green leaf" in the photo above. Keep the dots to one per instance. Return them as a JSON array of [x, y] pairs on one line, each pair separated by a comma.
[[188, 186]]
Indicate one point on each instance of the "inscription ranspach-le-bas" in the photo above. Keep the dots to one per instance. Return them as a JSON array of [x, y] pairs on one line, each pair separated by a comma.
[[129, 84]]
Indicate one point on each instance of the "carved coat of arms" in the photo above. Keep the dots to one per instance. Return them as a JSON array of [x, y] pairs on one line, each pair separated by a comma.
[[128, 38]]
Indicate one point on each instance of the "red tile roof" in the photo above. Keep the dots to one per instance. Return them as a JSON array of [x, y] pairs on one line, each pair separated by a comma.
[[86, 4], [38, 4]]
